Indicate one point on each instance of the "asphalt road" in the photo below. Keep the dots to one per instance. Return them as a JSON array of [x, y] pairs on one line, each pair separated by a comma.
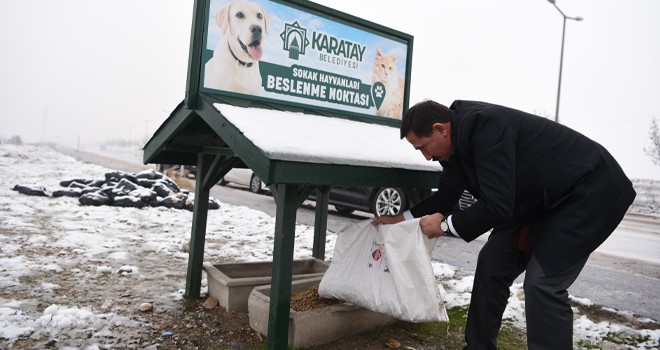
[[624, 273]]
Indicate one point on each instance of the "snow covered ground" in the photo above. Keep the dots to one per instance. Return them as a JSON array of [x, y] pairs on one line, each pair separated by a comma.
[[647, 201], [77, 274]]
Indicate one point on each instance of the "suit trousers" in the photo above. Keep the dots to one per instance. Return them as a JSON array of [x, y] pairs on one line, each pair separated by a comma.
[[548, 312]]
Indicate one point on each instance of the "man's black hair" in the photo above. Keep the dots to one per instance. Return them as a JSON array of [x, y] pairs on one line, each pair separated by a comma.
[[420, 118]]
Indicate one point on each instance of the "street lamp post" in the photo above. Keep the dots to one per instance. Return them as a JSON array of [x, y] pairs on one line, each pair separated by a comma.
[[561, 58]]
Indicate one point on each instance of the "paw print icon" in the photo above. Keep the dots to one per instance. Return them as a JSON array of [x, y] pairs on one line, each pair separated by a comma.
[[379, 91]]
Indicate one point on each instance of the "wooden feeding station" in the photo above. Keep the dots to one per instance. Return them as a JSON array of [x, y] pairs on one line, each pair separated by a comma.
[[318, 118]]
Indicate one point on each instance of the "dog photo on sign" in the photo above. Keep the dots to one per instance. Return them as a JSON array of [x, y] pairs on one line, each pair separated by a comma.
[[235, 63]]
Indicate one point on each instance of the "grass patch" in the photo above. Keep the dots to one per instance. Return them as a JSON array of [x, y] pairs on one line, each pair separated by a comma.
[[426, 336], [29, 279], [451, 335]]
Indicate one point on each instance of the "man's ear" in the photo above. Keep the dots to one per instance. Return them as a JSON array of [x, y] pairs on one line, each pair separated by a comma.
[[442, 128]]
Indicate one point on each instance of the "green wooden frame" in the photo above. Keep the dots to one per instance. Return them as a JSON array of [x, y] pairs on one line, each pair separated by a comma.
[[216, 146]]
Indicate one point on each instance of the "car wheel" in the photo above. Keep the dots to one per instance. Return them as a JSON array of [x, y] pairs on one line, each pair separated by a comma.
[[255, 184], [388, 201], [343, 210]]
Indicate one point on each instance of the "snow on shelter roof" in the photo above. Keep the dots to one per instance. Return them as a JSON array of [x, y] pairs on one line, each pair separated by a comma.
[[291, 136]]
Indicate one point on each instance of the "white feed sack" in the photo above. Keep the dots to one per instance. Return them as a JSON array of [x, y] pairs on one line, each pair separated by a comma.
[[387, 269]]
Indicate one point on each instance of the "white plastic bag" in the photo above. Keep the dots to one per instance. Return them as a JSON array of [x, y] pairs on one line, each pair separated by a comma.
[[387, 269]]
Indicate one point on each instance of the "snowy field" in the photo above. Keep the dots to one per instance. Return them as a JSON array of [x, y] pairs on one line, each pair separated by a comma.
[[76, 275]]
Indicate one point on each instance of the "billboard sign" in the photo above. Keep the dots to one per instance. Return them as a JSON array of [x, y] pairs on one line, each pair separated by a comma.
[[305, 55]]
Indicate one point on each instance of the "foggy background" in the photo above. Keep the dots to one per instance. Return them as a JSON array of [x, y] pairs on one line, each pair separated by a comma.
[[90, 74]]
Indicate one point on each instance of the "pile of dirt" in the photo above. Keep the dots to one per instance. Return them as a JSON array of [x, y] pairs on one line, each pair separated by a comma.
[[310, 299]]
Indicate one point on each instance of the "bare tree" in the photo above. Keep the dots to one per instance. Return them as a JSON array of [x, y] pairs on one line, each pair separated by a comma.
[[14, 140], [654, 150]]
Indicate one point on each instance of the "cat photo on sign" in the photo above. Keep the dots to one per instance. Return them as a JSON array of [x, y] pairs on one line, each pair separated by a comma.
[[386, 73]]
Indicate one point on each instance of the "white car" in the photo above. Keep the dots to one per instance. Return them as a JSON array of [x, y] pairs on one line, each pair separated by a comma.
[[245, 178]]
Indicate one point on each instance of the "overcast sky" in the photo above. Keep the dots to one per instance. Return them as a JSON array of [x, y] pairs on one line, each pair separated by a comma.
[[88, 71]]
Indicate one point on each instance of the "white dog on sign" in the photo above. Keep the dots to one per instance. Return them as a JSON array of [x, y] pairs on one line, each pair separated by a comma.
[[235, 62]]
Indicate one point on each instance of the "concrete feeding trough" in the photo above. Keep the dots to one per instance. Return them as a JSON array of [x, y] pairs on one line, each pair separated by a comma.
[[231, 283], [316, 326]]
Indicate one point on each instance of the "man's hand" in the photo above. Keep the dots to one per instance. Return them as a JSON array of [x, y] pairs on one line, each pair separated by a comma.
[[388, 219], [430, 225]]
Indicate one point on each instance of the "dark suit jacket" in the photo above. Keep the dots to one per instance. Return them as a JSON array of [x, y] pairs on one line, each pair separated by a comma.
[[526, 169]]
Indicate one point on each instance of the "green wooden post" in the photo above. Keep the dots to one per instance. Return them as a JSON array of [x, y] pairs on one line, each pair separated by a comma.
[[320, 222], [195, 54], [280, 292], [198, 233]]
